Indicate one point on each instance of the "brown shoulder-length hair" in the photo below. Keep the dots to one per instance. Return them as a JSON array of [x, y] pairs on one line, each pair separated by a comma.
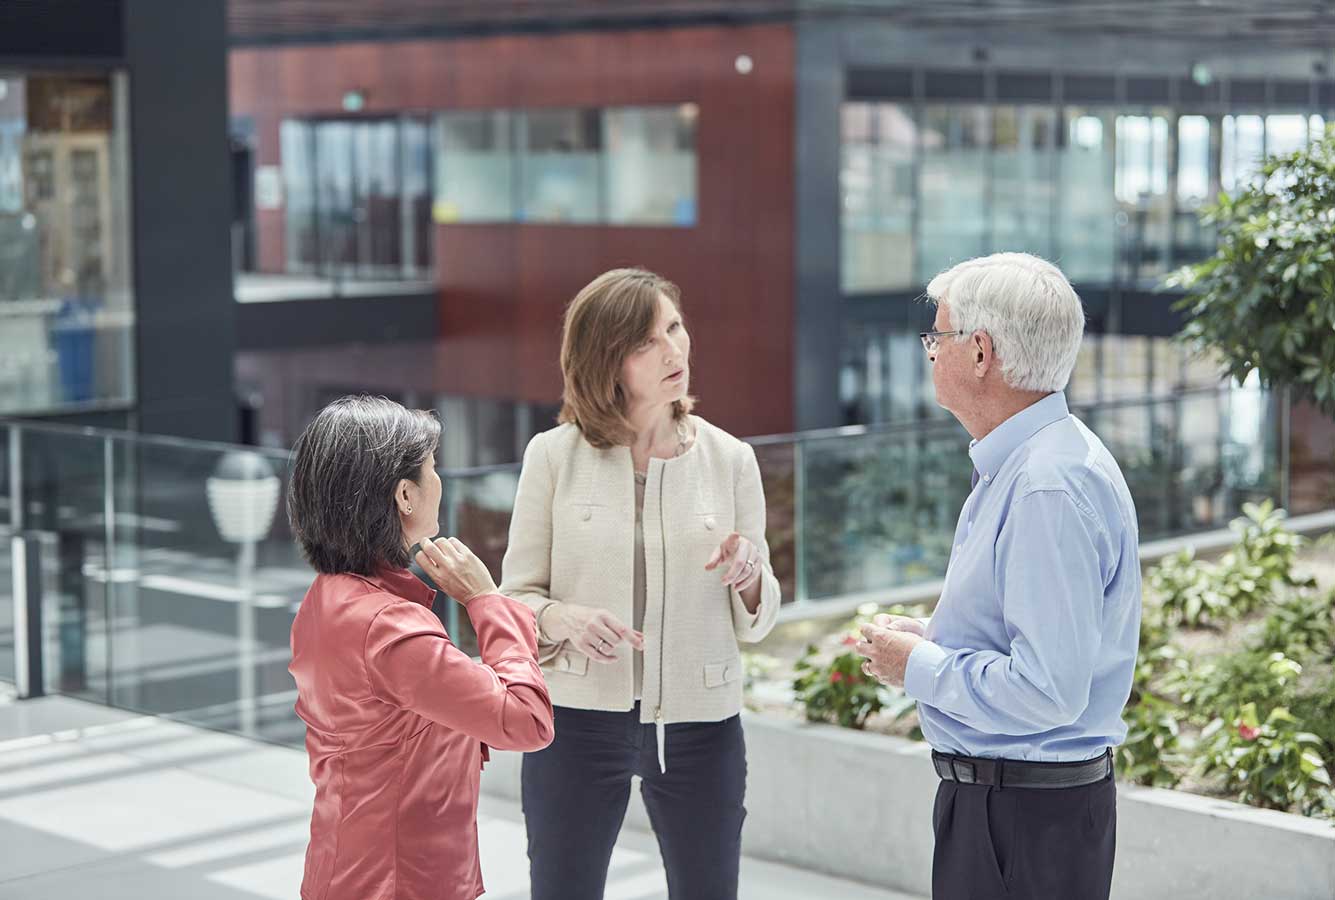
[[613, 315]]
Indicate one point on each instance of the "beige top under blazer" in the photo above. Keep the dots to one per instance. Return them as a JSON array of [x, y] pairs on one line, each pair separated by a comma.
[[572, 539]]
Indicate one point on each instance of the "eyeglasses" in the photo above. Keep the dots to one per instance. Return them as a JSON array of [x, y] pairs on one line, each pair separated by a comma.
[[931, 340]]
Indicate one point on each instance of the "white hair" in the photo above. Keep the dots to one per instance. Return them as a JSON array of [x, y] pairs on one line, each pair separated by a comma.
[[1028, 308]]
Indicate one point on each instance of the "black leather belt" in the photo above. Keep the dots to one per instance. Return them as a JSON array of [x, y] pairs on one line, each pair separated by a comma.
[[1004, 773]]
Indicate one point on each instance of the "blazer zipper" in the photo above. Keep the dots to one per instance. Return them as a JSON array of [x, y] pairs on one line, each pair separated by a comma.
[[660, 730]]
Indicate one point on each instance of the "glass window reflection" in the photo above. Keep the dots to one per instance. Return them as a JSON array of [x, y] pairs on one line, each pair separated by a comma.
[[66, 296], [877, 186], [561, 166], [651, 168], [953, 196]]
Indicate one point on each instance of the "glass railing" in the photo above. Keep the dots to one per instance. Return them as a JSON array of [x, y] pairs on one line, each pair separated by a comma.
[[167, 583], [865, 510], [164, 584]]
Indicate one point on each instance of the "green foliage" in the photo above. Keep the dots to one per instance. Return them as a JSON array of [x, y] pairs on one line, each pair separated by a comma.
[[1269, 733], [1151, 749], [1252, 574], [1249, 677], [837, 690], [1269, 763], [1264, 544], [1266, 299], [1315, 708], [1302, 626], [1187, 589], [831, 686]]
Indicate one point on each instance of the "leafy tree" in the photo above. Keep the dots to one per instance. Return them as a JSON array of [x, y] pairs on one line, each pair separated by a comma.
[[1266, 300]]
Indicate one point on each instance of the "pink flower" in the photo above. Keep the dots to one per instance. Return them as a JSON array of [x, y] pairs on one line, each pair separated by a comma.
[[1247, 732], [836, 677], [849, 641]]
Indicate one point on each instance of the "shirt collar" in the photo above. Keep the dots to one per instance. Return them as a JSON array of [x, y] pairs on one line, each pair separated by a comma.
[[989, 453], [401, 583]]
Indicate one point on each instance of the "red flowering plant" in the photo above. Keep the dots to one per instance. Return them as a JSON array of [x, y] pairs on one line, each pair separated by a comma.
[[831, 685], [1269, 763]]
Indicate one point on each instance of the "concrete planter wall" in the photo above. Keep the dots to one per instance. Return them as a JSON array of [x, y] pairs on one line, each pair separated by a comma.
[[860, 806]]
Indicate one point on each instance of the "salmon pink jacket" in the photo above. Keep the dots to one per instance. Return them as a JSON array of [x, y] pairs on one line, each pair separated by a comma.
[[398, 721]]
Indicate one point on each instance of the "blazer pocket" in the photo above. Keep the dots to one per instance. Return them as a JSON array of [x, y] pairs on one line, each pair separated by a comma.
[[719, 674], [572, 662]]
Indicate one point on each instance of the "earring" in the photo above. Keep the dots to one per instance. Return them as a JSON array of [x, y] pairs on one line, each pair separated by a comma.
[[410, 510]]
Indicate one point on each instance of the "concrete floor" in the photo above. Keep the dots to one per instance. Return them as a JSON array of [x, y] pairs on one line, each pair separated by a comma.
[[95, 802]]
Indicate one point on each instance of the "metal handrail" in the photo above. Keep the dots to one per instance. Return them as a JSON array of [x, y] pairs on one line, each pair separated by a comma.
[[878, 430]]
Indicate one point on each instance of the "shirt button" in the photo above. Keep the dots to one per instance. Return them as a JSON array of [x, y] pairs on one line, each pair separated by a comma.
[[987, 479], [709, 523], [588, 514]]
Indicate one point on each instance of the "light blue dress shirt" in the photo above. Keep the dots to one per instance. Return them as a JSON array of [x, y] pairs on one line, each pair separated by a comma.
[[1031, 650]]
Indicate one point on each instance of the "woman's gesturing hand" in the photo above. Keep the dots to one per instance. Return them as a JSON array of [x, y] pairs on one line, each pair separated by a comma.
[[740, 561], [454, 569], [594, 632]]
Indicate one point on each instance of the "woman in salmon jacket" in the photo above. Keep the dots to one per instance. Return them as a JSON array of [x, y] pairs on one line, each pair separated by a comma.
[[397, 718], [639, 539]]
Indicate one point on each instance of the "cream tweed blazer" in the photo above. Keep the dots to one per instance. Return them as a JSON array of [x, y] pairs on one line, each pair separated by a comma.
[[572, 540]]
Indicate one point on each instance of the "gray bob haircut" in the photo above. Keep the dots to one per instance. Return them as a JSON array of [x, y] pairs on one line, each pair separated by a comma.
[[1029, 309], [345, 466]]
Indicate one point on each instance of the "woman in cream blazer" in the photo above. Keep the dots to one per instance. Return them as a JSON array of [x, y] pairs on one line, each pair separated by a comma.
[[638, 539]]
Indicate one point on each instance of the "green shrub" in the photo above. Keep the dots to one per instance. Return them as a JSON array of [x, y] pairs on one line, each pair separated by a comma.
[[831, 686], [1219, 686], [1151, 749], [1270, 762], [1269, 547], [1255, 572], [1315, 709], [837, 691], [1187, 589], [1302, 626], [1265, 302]]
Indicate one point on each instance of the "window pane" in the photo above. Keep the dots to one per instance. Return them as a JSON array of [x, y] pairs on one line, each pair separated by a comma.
[[1141, 187], [1087, 209], [302, 237], [651, 165], [66, 304], [378, 213], [417, 199], [1285, 133], [1193, 240], [954, 186], [475, 167], [560, 166], [1023, 179], [335, 197], [876, 181], [1193, 159], [1242, 148]]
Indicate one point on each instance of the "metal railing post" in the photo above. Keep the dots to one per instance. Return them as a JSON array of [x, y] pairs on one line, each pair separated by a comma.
[[29, 678]]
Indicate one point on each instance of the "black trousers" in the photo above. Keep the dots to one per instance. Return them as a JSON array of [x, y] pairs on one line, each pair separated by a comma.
[[1024, 843], [576, 790]]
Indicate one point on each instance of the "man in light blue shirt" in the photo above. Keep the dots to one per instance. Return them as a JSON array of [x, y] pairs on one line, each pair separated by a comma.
[[1022, 672]]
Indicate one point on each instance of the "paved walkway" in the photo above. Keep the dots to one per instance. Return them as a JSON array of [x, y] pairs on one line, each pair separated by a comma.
[[100, 803]]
